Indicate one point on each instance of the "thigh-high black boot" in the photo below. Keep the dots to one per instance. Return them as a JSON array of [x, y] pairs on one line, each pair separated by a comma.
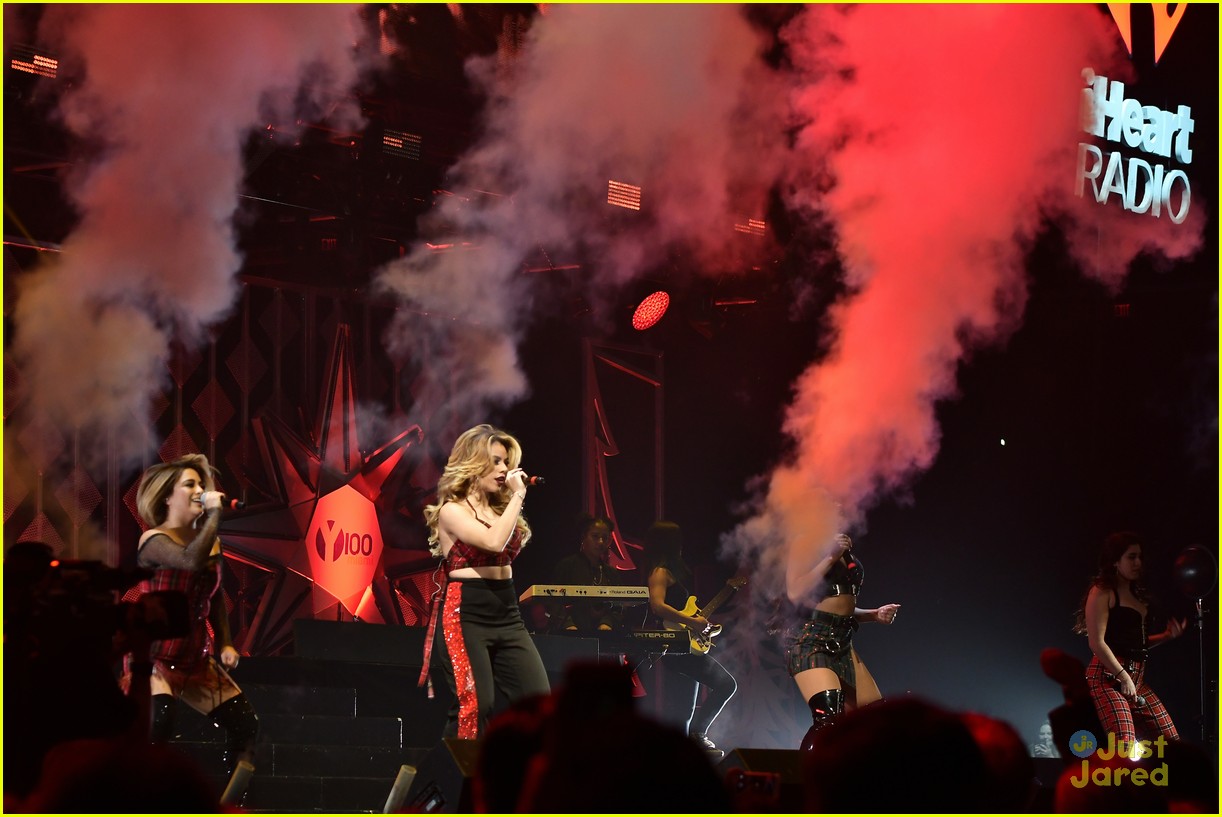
[[824, 707], [237, 717], [161, 725]]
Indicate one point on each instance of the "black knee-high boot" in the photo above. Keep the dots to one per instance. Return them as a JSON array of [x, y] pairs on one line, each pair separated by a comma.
[[161, 725], [237, 717], [824, 707]]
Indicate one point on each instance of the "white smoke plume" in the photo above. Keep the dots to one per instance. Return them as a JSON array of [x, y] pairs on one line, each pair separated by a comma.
[[670, 98], [948, 133], [167, 98]]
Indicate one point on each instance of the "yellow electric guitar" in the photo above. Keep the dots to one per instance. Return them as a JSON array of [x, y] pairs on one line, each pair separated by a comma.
[[703, 641]]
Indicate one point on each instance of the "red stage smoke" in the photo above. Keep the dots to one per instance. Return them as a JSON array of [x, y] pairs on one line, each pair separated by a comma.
[[948, 133]]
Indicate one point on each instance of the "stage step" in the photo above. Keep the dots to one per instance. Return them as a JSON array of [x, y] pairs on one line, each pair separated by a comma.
[[308, 729], [311, 778], [325, 795], [332, 735], [305, 760], [279, 699]]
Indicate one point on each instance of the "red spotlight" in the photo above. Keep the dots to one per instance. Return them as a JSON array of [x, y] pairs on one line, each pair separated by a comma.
[[650, 310]]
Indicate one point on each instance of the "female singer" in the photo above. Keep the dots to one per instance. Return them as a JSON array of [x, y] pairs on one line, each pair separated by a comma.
[[1113, 617], [477, 528], [180, 501], [820, 654]]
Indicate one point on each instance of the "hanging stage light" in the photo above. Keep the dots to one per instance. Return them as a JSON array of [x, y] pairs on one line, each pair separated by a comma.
[[650, 310], [622, 194]]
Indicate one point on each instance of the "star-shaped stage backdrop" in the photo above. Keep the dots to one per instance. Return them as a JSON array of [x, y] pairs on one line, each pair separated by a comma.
[[320, 550]]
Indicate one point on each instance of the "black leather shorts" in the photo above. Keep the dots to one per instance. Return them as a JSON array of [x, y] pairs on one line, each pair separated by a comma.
[[825, 641]]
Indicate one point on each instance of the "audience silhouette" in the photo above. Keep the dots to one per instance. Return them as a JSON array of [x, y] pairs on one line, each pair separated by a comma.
[[121, 776], [515, 737], [1010, 770], [58, 681], [74, 742], [898, 755], [600, 755]]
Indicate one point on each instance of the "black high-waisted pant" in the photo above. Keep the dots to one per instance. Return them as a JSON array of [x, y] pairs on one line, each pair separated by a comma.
[[486, 649]]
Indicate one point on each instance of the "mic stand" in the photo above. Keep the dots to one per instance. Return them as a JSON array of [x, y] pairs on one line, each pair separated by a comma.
[[1197, 573], [1203, 720]]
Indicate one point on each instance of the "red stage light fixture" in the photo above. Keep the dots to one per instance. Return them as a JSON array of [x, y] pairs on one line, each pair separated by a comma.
[[401, 143], [650, 310], [622, 194], [754, 226], [27, 59]]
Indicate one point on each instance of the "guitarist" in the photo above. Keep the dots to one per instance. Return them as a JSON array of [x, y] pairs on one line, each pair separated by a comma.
[[669, 578]]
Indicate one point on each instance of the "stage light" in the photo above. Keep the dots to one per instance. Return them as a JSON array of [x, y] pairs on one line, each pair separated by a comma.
[[650, 310], [754, 226], [621, 194], [30, 61], [401, 143]]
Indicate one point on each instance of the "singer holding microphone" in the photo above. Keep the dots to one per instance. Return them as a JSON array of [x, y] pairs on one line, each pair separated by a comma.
[[820, 653], [180, 503], [477, 528], [1113, 618]]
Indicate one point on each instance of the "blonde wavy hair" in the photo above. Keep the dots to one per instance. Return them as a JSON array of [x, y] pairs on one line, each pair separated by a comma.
[[158, 483], [471, 459]]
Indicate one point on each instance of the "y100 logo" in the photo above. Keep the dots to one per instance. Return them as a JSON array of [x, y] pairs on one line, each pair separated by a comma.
[[350, 544], [344, 544]]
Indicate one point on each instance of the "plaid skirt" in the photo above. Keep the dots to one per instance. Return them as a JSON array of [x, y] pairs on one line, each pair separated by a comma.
[[824, 641]]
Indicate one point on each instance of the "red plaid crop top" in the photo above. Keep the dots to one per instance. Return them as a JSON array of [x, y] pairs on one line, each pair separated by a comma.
[[463, 555]]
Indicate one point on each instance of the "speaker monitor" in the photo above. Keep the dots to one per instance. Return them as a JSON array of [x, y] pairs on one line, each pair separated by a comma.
[[763, 780], [443, 779]]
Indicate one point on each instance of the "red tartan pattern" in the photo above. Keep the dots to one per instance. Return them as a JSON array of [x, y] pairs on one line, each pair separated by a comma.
[[1122, 717], [191, 651]]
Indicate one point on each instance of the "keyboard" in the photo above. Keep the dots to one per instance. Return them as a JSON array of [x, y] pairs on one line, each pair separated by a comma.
[[621, 594], [672, 642]]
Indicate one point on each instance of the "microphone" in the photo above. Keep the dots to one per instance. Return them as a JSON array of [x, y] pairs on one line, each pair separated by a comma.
[[532, 481], [226, 504], [1139, 700]]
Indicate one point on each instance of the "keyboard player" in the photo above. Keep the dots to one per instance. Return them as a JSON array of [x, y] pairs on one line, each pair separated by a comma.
[[588, 566]]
